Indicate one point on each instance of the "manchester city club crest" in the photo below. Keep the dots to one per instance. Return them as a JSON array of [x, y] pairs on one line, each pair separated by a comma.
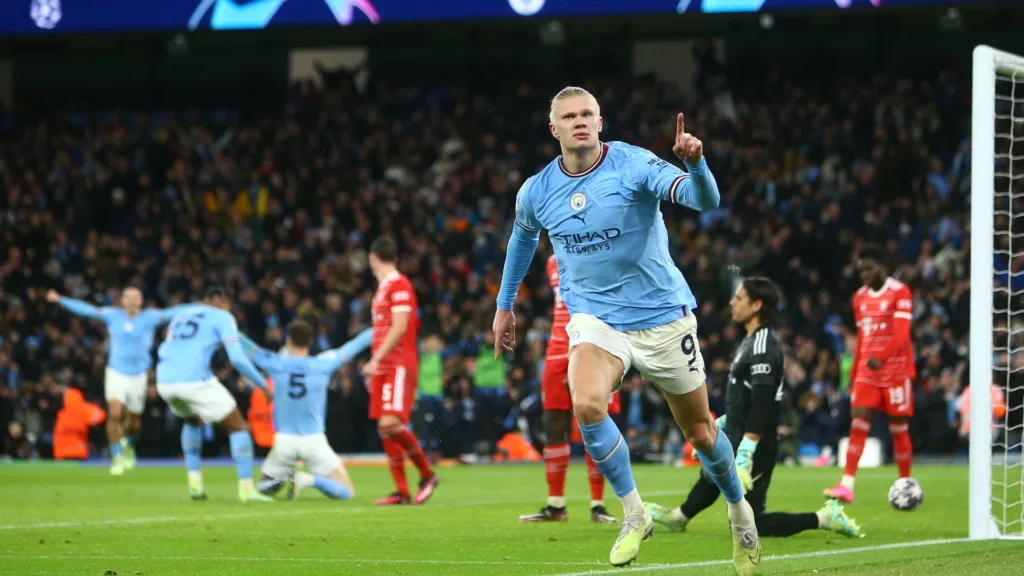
[[578, 201]]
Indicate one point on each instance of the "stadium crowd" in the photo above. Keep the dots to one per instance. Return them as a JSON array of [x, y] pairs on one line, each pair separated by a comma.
[[282, 208]]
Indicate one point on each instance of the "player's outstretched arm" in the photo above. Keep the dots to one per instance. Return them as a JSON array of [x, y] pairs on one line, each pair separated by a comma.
[[239, 359], [76, 307], [260, 356], [349, 350], [355, 346], [230, 337]]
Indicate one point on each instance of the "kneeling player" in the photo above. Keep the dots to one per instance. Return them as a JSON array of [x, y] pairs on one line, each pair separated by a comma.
[[883, 366], [300, 403], [557, 403], [753, 400]]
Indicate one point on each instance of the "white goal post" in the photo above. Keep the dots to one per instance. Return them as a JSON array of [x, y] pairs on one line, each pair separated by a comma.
[[997, 143]]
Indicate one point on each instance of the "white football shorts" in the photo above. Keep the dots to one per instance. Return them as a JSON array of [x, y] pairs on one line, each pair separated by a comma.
[[313, 449], [128, 390], [667, 355], [209, 400]]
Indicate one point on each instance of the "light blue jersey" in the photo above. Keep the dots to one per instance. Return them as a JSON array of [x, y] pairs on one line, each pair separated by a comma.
[[131, 337], [193, 337], [300, 382], [608, 234]]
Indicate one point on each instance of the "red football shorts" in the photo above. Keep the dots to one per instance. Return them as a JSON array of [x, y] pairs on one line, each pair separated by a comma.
[[554, 388], [893, 400], [393, 391]]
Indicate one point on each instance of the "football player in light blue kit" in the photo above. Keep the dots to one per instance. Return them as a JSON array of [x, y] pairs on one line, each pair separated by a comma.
[[186, 382], [129, 358], [629, 304], [300, 406]]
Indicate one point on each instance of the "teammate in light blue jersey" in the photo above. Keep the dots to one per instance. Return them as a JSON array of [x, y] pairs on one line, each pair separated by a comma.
[[186, 382], [628, 303], [129, 357], [299, 410]]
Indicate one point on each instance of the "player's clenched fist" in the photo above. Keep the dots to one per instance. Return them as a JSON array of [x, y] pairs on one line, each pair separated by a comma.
[[688, 147], [504, 331]]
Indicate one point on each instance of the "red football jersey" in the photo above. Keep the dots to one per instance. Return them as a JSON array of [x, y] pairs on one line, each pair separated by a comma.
[[558, 344], [877, 315], [395, 294]]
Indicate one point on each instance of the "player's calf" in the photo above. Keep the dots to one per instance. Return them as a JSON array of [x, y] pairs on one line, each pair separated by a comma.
[[192, 448], [115, 414], [240, 442], [335, 486]]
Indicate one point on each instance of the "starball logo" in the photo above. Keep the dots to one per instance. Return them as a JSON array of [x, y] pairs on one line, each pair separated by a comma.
[[258, 14]]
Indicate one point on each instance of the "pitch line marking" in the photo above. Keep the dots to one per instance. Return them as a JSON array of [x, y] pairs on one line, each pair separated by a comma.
[[276, 512], [797, 556]]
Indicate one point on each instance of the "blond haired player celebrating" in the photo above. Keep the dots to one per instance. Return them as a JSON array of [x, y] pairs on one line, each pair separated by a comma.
[[883, 366], [629, 304], [557, 403]]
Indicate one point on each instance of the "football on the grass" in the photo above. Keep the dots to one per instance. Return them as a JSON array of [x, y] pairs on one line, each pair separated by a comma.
[[906, 494]]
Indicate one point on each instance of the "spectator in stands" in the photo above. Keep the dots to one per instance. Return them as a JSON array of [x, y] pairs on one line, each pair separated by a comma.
[[282, 207]]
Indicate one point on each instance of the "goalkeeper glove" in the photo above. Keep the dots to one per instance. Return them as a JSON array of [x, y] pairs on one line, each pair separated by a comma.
[[745, 462]]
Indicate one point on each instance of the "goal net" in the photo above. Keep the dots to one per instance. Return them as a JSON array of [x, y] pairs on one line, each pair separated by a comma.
[[997, 295]]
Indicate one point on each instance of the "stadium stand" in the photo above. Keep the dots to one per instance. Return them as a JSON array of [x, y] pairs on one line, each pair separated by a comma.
[[271, 206]]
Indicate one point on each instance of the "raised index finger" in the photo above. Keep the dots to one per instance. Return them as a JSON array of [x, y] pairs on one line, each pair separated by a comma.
[[680, 125]]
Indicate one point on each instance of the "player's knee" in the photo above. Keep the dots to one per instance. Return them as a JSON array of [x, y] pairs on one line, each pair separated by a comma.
[[234, 422], [864, 413], [590, 408], [556, 425], [388, 426], [701, 434]]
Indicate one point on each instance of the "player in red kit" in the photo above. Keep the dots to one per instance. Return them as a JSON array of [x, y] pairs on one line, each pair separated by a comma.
[[392, 373], [557, 402], [883, 366]]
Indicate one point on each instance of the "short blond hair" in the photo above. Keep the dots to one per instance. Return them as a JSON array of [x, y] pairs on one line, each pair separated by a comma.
[[564, 93]]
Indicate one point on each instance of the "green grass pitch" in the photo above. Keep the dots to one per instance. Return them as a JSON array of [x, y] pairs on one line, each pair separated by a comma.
[[70, 520]]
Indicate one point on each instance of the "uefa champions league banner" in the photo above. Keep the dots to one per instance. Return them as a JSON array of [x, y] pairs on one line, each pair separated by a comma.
[[54, 16]]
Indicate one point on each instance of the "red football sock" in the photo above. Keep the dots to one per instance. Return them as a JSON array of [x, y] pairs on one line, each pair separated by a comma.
[[902, 449], [858, 435], [596, 480], [396, 463], [411, 444], [556, 461]]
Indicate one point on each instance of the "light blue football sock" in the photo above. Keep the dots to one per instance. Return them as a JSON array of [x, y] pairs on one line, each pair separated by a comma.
[[241, 453], [611, 454], [192, 446], [718, 464], [115, 450], [331, 488]]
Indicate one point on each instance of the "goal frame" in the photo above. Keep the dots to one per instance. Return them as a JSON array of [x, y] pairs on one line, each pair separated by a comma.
[[987, 62]]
